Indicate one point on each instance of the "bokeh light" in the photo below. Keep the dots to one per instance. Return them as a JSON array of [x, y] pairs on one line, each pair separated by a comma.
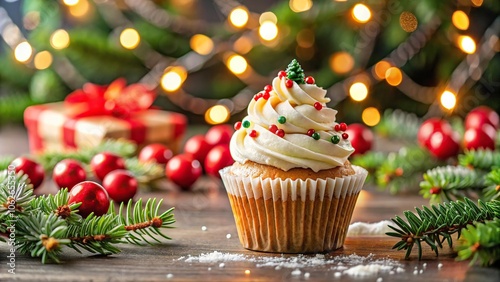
[[370, 116], [130, 38], [243, 45], [300, 5], [408, 21], [217, 114], [467, 44], [448, 100], [239, 17], [341, 62], [460, 20], [59, 39], [477, 3], [393, 76], [80, 9], [268, 17], [305, 38], [268, 31], [43, 60], [173, 77], [358, 91], [23, 52], [361, 13], [70, 2], [201, 44], [237, 64], [381, 68]]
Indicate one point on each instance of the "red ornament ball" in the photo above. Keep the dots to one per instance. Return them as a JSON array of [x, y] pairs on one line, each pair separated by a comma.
[[32, 169], [104, 163], [218, 158], [482, 115], [183, 170], [477, 138], [361, 138], [309, 80], [156, 152], [93, 197], [431, 126], [219, 134], [121, 185], [289, 83], [443, 145], [198, 147], [67, 173], [282, 74]]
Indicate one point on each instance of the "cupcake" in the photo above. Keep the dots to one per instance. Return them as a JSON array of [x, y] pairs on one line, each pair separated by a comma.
[[292, 188]]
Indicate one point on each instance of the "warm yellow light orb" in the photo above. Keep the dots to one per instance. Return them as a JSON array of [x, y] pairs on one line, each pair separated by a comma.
[[217, 114], [341, 62], [300, 5], [239, 17], [130, 38], [80, 9], [358, 91], [23, 52], [268, 17], [70, 2], [59, 39], [43, 60], [467, 44], [460, 20], [237, 64], [393, 76], [448, 100], [201, 44], [381, 68], [477, 3], [173, 78], [243, 45], [361, 13], [268, 31], [371, 116]]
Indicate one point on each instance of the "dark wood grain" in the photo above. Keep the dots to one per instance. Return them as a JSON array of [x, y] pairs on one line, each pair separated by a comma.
[[208, 206]]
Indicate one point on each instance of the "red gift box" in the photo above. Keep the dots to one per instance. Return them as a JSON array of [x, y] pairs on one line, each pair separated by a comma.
[[95, 113]]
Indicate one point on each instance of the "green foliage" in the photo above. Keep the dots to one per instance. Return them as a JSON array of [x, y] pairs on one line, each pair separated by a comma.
[[399, 124], [481, 242], [145, 173], [295, 72], [492, 182], [480, 159]]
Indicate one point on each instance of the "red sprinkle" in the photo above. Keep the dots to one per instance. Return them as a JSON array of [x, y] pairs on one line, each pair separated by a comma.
[[253, 134], [289, 83], [309, 80], [310, 132], [281, 74], [280, 133], [237, 125], [268, 88], [337, 127], [345, 135], [266, 95], [318, 106], [258, 96], [273, 128], [343, 127]]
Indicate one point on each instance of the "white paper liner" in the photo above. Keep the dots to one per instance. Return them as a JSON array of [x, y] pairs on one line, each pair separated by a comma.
[[281, 189]]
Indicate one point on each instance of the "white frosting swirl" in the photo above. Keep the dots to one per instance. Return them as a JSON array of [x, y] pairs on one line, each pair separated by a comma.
[[295, 149]]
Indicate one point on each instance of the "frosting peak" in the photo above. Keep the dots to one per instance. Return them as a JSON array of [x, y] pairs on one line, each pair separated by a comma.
[[290, 126]]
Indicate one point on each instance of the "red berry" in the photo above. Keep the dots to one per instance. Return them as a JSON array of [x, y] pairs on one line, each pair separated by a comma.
[[337, 127], [435, 190], [273, 128], [430, 126], [157, 152], [280, 133], [219, 134], [266, 95], [218, 158], [237, 125], [253, 134], [183, 170], [104, 163], [345, 135], [268, 88], [67, 173], [310, 132], [289, 83], [282, 74], [343, 126], [481, 115], [443, 145], [93, 197], [32, 169], [121, 185], [361, 138], [318, 106], [484, 137], [198, 147], [309, 80]]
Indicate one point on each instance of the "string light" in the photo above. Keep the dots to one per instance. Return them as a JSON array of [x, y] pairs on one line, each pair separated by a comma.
[[358, 91], [361, 13], [43, 60], [243, 45], [370, 116], [467, 44], [408, 21], [217, 114], [239, 17], [448, 100], [393, 76], [237, 64], [59, 39], [130, 38], [201, 44], [268, 17], [173, 77], [477, 3], [70, 2], [341, 62], [23, 52], [381, 68], [268, 31], [80, 9], [300, 5], [460, 20]]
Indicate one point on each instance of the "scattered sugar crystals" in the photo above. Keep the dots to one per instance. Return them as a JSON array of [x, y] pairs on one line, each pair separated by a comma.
[[204, 228], [170, 276], [228, 236]]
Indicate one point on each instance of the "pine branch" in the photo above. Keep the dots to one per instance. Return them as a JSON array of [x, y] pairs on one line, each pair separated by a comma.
[[399, 124], [145, 172], [451, 183], [370, 161], [438, 223], [480, 159], [5, 161], [15, 192], [481, 242], [492, 182], [58, 204]]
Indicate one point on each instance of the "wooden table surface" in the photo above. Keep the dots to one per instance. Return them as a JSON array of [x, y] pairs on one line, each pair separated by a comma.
[[208, 206]]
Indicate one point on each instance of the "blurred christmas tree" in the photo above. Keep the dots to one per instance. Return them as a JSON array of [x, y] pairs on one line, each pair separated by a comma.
[[210, 57]]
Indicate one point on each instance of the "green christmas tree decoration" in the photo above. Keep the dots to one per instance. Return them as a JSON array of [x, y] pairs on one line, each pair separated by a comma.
[[481, 243], [295, 72]]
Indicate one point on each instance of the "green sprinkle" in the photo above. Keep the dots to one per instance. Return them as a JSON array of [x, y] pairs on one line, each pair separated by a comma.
[[316, 136], [282, 119], [335, 139], [246, 124]]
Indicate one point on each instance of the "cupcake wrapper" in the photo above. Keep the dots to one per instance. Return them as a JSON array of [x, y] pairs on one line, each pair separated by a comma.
[[293, 216]]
